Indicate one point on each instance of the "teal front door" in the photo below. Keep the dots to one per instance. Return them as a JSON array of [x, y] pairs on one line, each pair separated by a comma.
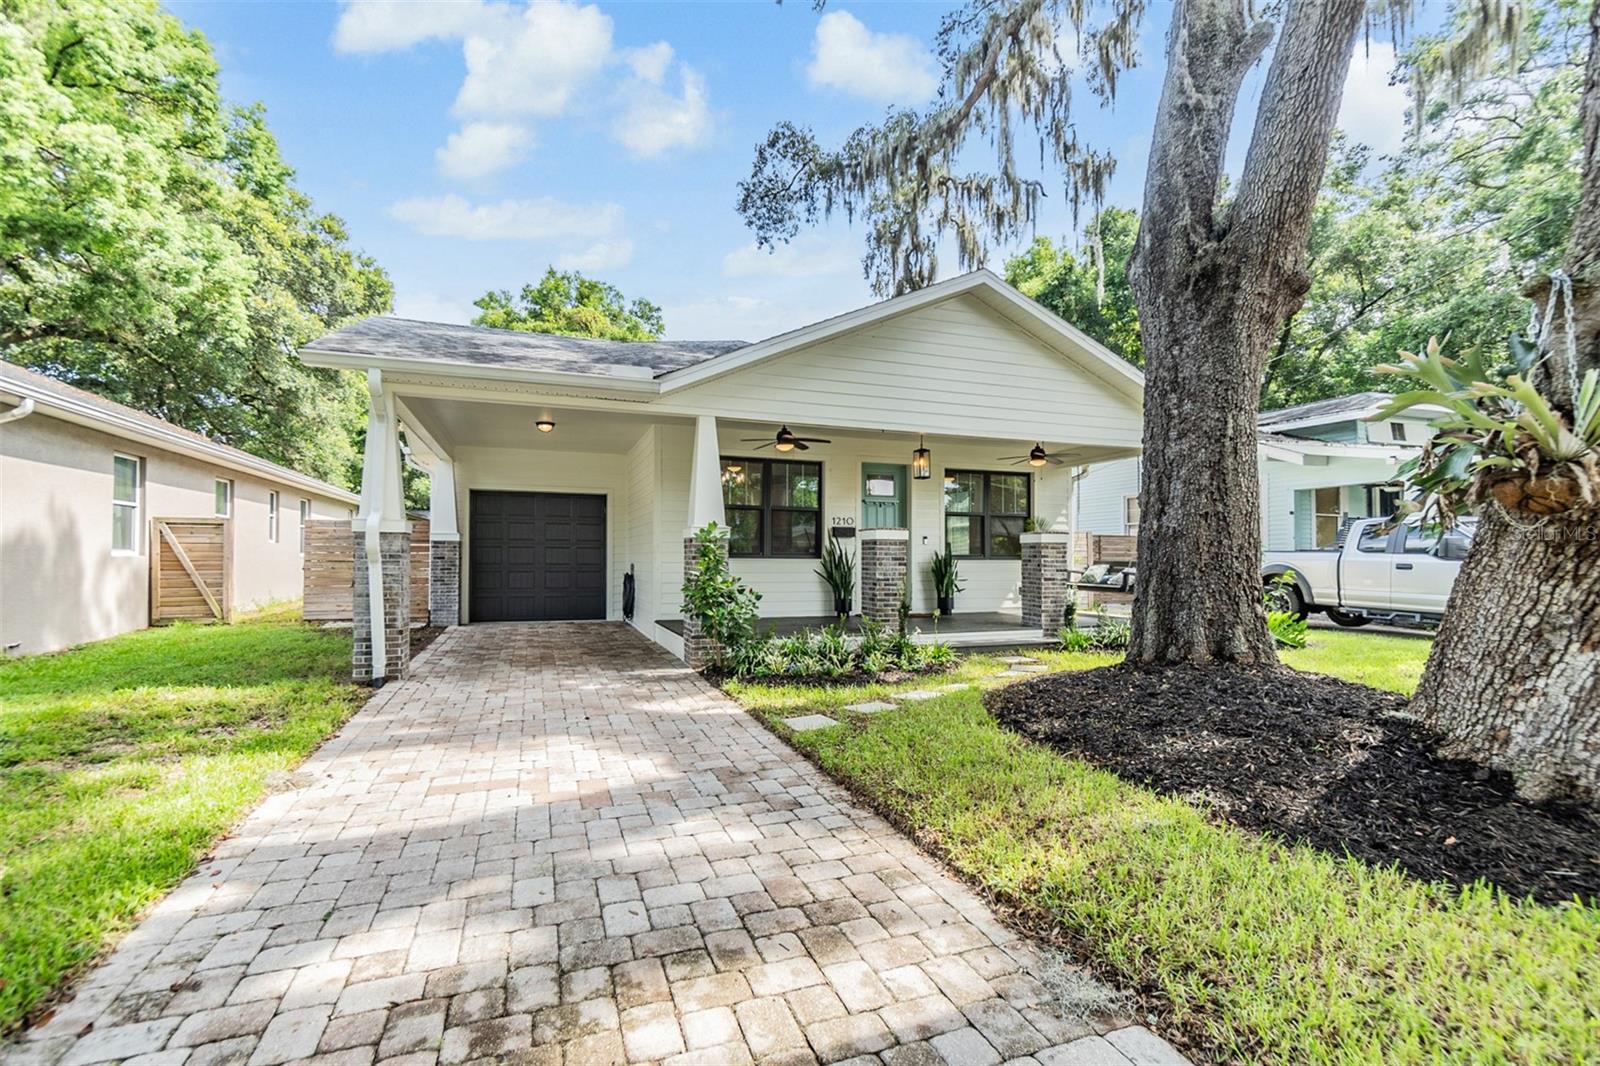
[[883, 496]]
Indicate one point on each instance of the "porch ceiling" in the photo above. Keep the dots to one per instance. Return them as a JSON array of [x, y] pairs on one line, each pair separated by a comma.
[[478, 424]]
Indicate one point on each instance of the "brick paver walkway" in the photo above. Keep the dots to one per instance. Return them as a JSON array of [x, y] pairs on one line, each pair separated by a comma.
[[554, 845]]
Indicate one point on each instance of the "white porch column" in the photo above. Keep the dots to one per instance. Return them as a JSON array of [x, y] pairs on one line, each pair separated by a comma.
[[705, 477], [444, 546], [705, 508], [381, 648]]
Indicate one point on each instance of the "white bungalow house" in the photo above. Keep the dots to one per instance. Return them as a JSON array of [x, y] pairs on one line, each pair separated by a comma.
[[1321, 464], [569, 475]]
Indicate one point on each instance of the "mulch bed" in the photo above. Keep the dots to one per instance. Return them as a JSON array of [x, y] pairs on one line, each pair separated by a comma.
[[1312, 759], [422, 636]]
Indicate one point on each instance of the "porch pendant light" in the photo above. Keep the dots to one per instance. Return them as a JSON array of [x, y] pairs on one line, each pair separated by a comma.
[[544, 425], [921, 461]]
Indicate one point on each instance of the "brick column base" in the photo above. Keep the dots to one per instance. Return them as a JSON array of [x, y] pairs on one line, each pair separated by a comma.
[[698, 649], [444, 583], [395, 556], [884, 573], [1046, 580]]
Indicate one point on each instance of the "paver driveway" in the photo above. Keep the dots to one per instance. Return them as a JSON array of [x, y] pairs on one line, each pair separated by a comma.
[[555, 845]]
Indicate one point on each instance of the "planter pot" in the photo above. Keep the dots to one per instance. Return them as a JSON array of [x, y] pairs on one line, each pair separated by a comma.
[[1538, 497], [841, 607], [947, 605]]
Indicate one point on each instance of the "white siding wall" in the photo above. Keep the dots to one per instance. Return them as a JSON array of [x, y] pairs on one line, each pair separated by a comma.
[[1280, 480], [955, 367], [1101, 495]]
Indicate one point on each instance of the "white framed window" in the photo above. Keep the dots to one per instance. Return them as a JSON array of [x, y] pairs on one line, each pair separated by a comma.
[[1397, 430], [1130, 514], [223, 490], [127, 504], [305, 516], [272, 517]]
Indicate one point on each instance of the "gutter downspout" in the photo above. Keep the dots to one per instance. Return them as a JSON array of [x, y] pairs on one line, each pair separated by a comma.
[[19, 412]]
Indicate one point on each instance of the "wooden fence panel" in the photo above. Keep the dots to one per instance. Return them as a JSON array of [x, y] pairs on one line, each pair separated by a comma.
[[191, 570], [329, 570]]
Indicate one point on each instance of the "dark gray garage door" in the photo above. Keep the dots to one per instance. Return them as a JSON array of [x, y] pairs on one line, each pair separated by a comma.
[[537, 557]]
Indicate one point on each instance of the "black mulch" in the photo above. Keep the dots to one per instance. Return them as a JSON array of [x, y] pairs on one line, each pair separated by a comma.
[[422, 636], [1313, 759]]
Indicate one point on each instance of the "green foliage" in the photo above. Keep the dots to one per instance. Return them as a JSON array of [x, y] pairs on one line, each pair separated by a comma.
[[830, 654], [573, 305], [153, 246], [724, 607], [122, 761], [1288, 630], [1071, 284], [1497, 425], [1112, 634], [839, 571], [945, 576], [1273, 952]]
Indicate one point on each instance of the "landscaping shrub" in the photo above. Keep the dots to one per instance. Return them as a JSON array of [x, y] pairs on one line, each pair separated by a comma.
[[1109, 635], [831, 655], [1289, 630], [724, 607]]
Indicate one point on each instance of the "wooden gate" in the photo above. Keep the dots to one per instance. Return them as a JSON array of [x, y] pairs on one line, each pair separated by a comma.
[[191, 570]]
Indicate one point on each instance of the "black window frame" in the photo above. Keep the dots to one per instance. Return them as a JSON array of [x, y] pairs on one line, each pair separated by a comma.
[[765, 510], [987, 514]]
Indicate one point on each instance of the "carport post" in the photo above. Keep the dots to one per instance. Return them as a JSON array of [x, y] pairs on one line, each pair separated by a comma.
[[381, 616], [705, 508]]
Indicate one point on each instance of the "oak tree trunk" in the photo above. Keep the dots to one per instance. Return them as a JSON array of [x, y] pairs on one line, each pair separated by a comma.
[[1213, 284], [1513, 680]]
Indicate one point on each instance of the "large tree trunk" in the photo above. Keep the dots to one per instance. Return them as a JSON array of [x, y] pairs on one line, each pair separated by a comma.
[[1213, 286], [1513, 680]]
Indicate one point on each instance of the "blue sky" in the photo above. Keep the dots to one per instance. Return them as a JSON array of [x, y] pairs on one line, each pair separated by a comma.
[[468, 145]]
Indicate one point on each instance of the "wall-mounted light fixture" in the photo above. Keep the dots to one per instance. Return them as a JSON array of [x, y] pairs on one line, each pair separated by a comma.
[[921, 461], [545, 425]]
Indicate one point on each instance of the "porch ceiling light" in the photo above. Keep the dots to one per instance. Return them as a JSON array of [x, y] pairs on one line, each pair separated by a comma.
[[1037, 456], [921, 461], [545, 425]]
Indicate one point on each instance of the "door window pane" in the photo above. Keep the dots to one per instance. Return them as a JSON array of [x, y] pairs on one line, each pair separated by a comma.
[[796, 485], [741, 483], [963, 534], [744, 536], [794, 533], [1005, 537]]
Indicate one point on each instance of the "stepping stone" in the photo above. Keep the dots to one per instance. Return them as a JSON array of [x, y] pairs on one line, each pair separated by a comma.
[[920, 694], [1018, 673], [870, 707], [1031, 667], [807, 722], [1016, 659]]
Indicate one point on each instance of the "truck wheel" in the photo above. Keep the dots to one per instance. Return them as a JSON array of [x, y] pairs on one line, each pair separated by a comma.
[[1349, 621], [1282, 596]]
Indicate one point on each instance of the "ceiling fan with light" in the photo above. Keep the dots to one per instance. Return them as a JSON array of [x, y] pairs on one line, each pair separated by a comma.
[[1036, 456], [786, 441]]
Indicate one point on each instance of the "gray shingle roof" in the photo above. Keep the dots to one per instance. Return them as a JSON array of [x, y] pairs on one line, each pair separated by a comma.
[[1355, 405], [388, 337]]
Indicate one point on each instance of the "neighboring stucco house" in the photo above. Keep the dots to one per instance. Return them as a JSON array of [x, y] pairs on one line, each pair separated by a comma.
[[82, 478], [1321, 463], [561, 466]]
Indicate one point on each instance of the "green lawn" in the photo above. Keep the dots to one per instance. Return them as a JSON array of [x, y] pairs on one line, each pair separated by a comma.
[[1262, 951], [120, 763]]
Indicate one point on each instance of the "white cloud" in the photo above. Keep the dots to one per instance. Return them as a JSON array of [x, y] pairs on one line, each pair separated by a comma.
[[885, 67], [807, 256], [533, 64], [753, 318], [656, 120], [1373, 112], [545, 218], [601, 255], [385, 25], [650, 62], [479, 149]]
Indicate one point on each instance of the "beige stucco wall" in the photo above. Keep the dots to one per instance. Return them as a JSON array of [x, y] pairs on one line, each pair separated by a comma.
[[60, 583]]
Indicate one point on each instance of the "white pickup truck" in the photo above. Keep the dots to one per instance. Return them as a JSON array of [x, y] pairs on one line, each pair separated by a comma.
[[1379, 571]]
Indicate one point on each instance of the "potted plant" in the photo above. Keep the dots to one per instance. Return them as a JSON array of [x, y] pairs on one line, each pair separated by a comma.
[[839, 571], [946, 581]]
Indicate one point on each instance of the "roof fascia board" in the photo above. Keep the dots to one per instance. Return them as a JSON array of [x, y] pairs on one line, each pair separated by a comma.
[[476, 372], [68, 409]]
